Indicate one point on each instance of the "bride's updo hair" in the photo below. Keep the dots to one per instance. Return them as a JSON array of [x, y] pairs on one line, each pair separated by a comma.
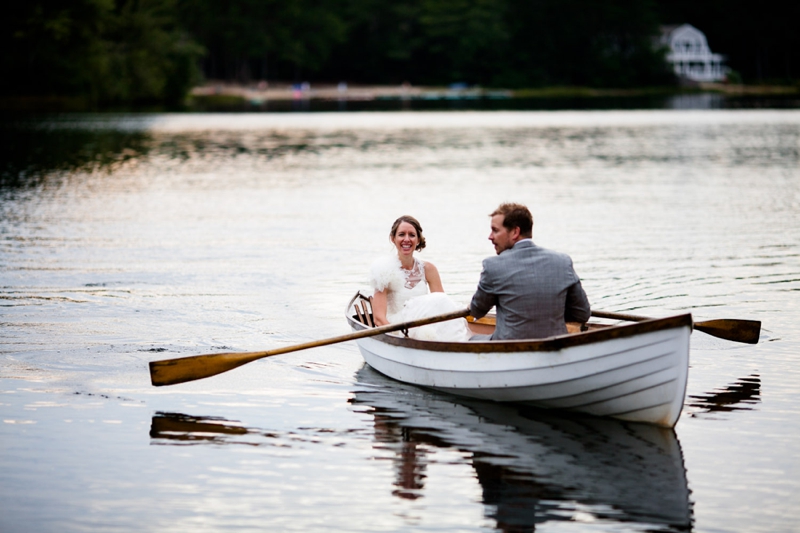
[[414, 222]]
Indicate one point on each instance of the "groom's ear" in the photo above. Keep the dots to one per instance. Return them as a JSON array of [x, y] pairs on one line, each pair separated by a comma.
[[515, 233]]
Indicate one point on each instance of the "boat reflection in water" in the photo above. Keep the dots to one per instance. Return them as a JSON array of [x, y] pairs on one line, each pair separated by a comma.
[[533, 467]]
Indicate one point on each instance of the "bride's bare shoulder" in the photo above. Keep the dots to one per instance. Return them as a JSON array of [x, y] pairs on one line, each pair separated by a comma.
[[433, 278], [427, 265]]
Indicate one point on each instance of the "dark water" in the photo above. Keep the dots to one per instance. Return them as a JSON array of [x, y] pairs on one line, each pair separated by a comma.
[[132, 238]]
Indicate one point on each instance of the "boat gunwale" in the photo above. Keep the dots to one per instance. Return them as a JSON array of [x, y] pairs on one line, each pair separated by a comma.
[[549, 344]]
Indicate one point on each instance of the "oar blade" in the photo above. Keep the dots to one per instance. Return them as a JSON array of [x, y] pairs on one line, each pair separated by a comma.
[[747, 331], [183, 369]]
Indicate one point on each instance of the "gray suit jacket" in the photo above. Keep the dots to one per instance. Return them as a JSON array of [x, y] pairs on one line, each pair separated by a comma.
[[535, 291]]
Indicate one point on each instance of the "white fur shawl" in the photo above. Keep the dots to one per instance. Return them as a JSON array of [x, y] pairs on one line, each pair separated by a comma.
[[386, 272]]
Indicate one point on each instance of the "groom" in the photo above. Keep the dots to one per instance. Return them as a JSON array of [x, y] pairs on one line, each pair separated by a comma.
[[535, 291]]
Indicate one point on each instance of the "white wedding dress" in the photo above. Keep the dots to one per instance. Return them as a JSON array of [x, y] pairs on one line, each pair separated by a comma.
[[407, 298]]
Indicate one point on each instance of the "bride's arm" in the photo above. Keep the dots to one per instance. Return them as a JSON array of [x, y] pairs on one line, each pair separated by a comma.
[[432, 277], [379, 308]]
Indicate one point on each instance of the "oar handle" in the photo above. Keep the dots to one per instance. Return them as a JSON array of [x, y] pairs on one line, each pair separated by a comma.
[[183, 369]]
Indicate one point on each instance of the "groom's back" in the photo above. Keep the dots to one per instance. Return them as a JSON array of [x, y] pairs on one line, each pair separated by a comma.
[[534, 289]]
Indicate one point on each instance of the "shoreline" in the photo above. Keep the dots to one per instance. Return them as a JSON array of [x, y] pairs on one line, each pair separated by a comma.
[[259, 92], [218, 95]]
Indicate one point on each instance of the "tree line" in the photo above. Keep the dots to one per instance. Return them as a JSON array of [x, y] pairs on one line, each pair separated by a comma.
[[138, 51]]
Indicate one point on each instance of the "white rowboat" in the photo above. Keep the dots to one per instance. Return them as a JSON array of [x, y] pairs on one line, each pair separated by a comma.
[[631, 371]]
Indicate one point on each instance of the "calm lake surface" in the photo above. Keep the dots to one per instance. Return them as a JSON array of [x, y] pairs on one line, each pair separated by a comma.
[[132, 238]]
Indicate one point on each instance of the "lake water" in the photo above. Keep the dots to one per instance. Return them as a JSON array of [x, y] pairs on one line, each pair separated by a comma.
[[132, 238]]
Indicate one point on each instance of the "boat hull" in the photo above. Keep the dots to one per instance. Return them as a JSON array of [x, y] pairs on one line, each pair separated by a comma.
[[635, 372]]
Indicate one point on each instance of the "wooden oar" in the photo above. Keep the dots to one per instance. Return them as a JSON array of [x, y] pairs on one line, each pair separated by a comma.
[[183, 369], [731, 329]]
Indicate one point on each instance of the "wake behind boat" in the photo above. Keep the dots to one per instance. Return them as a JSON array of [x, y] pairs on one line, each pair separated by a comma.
[[631, 371]]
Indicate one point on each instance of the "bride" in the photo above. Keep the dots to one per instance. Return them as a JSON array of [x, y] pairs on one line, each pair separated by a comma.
[[402, 283]]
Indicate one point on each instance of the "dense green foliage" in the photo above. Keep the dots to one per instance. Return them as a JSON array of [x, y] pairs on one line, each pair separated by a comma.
[[103, 51], [244, 36], [32, 156], [512, 43], [137, 51]]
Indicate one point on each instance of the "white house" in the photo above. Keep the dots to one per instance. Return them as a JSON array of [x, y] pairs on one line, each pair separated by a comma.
[[690, 55]]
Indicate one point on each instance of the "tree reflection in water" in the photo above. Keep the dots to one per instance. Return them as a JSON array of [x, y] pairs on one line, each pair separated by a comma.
[[39, 153]]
